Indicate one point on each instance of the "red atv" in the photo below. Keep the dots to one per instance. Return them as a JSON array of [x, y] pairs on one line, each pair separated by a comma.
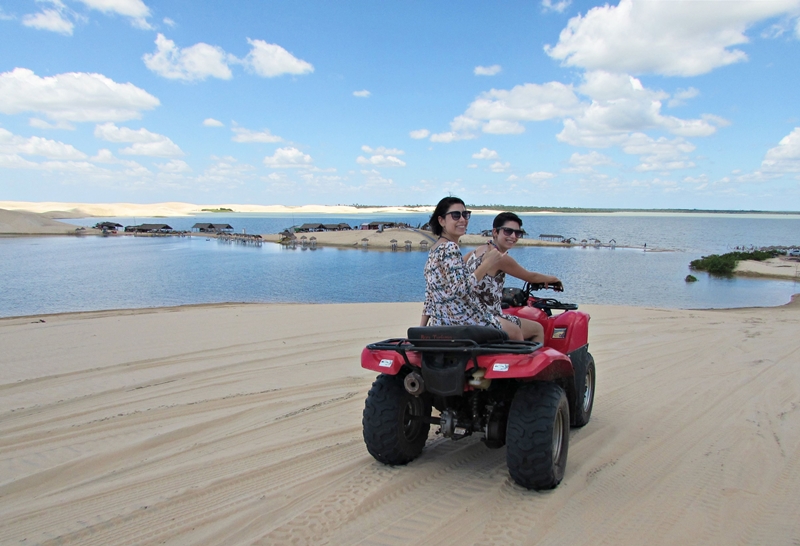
[[521, 394]]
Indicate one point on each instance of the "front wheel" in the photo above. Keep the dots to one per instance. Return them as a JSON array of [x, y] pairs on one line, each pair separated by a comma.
[[537, 437], [584, 387], [395, 423]]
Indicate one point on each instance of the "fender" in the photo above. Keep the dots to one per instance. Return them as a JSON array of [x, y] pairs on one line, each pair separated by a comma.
[[386, 361], [545, 364]]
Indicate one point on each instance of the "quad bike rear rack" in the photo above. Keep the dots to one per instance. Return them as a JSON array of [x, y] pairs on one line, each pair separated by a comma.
[[467, 347]]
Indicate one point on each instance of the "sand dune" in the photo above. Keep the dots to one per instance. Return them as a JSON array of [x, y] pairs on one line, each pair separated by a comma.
[[81, 210], [241, 424], [29, 223]]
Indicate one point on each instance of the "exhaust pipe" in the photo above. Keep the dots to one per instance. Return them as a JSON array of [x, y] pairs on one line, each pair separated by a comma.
[[414, 384]]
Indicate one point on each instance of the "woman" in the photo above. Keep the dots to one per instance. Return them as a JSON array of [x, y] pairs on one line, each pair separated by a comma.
[[506, 231], [451, 288]]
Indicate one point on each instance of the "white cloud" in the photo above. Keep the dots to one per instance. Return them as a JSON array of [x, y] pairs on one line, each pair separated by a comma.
[[592, 159], [287, 158], [382, 150], [487, 70], [143, 141], [362, 94], [211, 122], [681, 96], [419, 134], [247, 136], [169, 22], [503, 127], [381, 161], [136, 10], [49, 19], [271, 60], [559, 6], [42, 124], [527, 102], [620, 106], [174, 166], [12, 144], [196, 62], [225, 172], [659, 154], [672, 38], [498, 167], [73, 96], [539, 176], [472, 166], [485, 153], [785, 157]]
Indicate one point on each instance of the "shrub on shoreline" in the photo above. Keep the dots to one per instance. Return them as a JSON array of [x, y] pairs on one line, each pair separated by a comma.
[[723, 265]]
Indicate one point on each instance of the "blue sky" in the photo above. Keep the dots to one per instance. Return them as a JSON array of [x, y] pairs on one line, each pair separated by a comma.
[[643, 104]]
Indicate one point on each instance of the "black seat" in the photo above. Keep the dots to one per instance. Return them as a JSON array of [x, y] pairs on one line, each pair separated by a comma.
[[478, 334]]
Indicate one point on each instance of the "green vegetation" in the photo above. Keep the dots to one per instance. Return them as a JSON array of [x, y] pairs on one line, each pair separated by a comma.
[[690, 278], [723, 265], [216, 210]]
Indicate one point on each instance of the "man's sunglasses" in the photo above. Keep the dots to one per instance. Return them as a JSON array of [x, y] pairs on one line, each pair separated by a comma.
[[508, 232], [457, 214]]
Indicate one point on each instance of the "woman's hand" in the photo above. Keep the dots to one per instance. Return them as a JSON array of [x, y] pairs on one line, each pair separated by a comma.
[[555, 284], [491, 257]]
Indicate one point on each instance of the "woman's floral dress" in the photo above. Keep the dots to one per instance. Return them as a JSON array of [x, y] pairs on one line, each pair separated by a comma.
[[489, 290], [451, 290]]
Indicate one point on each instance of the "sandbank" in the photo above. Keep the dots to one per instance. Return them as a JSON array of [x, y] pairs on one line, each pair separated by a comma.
[[776, 268], [383, 240], [241, 424]]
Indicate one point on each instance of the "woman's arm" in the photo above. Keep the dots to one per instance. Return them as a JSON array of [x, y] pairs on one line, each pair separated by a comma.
[[510, 266]]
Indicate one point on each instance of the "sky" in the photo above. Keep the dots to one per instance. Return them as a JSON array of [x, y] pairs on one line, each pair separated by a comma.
[[636, 104]]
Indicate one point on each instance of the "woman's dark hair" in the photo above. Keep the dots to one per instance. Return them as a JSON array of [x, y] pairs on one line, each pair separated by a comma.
[[504, 217], [441, 210]]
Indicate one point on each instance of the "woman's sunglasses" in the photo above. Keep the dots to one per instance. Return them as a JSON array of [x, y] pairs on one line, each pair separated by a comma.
[[508, 232], [457, 214]]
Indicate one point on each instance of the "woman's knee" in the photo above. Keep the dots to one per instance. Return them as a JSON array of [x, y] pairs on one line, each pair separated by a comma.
[[514, 332]]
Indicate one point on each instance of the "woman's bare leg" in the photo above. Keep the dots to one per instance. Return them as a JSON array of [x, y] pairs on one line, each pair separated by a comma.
[[532, 330], [514, 332]]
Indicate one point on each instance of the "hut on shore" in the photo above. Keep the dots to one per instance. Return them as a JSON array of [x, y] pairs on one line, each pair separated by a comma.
[[551, 237], [148, 228], [207, 227]]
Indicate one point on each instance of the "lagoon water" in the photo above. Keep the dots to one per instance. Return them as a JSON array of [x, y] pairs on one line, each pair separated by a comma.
[[59, 274]]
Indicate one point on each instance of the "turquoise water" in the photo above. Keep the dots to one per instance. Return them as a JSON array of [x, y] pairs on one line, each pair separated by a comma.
[[59, 274]]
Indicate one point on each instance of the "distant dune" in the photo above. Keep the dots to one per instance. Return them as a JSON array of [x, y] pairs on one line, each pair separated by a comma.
[[86, 210], [30, 223]]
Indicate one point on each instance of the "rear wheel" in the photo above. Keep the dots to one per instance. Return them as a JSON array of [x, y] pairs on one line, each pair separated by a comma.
[[584, 387], [395, 422], [537, 437]]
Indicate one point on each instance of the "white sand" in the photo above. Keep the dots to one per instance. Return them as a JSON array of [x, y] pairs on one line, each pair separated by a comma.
[[241, 424], [779, 268], [129, 210], [29, 223]]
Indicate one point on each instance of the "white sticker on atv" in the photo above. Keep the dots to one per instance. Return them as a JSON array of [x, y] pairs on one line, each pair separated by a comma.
[[500, 368], [386, 363]]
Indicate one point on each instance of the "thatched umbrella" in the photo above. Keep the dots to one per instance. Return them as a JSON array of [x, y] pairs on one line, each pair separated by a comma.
[[408, 244], [313, 242], [364, 241], [394, 244]]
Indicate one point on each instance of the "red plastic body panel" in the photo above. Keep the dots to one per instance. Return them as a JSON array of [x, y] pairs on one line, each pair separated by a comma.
[[544, 365], [576, 323], [379, 361]]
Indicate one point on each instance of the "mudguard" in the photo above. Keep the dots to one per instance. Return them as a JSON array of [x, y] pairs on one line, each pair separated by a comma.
[[546, 364], [387, 361], [573, 325]]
